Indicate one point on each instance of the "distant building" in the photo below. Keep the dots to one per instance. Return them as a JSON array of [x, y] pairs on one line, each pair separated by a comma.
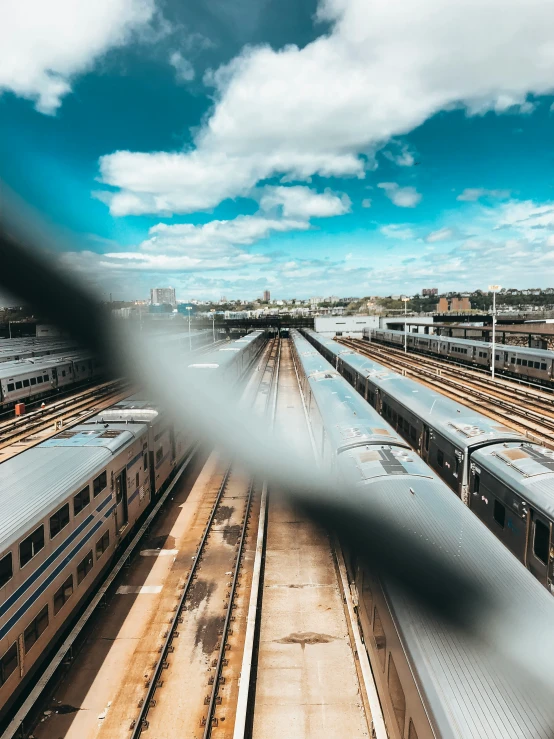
[[267, 296], [315, 301], [442, 306], [159, 295], [430, 291], [459, 304]]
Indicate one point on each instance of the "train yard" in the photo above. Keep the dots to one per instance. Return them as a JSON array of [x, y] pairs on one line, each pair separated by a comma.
[[226, 612], [527, 409]]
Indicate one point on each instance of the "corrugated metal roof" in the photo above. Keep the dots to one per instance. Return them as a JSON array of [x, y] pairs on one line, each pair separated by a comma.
[[37, 481]]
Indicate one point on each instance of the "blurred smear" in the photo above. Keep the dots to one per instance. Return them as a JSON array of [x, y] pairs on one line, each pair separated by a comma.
[[508, 631]]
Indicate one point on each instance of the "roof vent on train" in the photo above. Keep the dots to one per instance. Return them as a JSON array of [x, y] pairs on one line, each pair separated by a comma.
[[210, 365], [467, 429], [230, 349], [324, 375]]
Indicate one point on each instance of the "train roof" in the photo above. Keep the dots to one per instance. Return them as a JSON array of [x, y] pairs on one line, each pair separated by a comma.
[[37, 481], [544, 353], [468, 692], [226, 355], [129, 410], [25, 366], [461, 425], [528, 469]]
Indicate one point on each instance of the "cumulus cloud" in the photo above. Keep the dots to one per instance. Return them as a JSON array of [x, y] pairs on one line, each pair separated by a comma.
[[403, 197], [442, 234], [472, 194], [325, 108], [44, 45], [525, 217], [184, 71], [400, 154], [303, 202], [366, 203]]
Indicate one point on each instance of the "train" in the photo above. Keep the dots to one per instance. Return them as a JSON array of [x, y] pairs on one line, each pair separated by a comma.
[[71, 502], [13, 349], [505, 479], [528, 364], [433, 681], [34, 378]]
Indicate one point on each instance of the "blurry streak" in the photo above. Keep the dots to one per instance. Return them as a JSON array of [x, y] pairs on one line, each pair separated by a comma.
[[506, 630]]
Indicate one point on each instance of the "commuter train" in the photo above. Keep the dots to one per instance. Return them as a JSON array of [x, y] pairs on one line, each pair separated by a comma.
[[434, 682], [69, 503], [507, 481], [13, 349], [532, 365], [31, 379]]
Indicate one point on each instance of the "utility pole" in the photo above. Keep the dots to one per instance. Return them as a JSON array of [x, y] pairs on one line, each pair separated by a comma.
[[405, 299], [495, 289]]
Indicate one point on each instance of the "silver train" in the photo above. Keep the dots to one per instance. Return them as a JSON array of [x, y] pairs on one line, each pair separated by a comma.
[[532, 365], [507, 481], [13, 349], [33, 378], [70, 503], [433, 682]]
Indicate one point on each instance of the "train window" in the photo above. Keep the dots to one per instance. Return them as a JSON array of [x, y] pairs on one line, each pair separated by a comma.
[[26, 383], [367, 596], [426, 439], [6, 569], [63, 373], [45, 378], [476, 483], [37, 627], [33, 380], [81, 500], [159, 455], [145, 461], [541, 541], [537, 365], [31, 546], [397, 695], [99, 483], [519, 361], [59, 520], [497, 356], [8, 663], [11, 387], [543, 366], [412, 734], [440, 458], [379, 635], [18, 385], [84, 568], [524, 363], [102, 544], [499, 513], [63, 594], [137, 480], [413, 434], [456, 464], [39, 380]]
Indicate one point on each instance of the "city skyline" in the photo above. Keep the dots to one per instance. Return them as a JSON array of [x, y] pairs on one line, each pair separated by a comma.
[[163, 144]]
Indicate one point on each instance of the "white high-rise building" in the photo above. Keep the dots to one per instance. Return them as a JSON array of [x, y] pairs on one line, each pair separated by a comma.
[[162, 295]]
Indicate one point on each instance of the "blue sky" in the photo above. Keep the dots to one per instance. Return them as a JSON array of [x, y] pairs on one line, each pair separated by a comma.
[[343, 147]]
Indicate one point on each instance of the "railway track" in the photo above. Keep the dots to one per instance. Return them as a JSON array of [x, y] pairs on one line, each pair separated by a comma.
[[26, 431], [529, 411]]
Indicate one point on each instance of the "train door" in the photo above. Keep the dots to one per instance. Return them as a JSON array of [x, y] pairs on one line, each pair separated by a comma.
[[54, 377], [426, 438], [121, 502], [538, 547]]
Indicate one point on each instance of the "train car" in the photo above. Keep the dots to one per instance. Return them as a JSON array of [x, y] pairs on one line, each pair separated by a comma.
[[456, 441], [533, 365], [66, 505], [32, 379], [433, 682], [14, 349], [231, 360]]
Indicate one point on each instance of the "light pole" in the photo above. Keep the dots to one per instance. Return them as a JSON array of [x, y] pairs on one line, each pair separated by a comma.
[[405, 301], [213, 323], [189, 308], [10, 329], [494, 289]]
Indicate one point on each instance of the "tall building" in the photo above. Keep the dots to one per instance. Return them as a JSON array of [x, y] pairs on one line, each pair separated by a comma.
[[430, 291], [162, 295], [267, 296]]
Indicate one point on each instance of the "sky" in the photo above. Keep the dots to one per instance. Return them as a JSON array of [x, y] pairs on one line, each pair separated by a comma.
[[339, 147]]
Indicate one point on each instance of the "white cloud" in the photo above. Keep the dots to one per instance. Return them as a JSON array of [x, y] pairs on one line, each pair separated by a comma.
[[366, 203], [442, 234], [472, 194], [184, 71], [400, 154], [303, 202], [403, 197], [325, 108], [393, 231], [44, 45], [525, 217]]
